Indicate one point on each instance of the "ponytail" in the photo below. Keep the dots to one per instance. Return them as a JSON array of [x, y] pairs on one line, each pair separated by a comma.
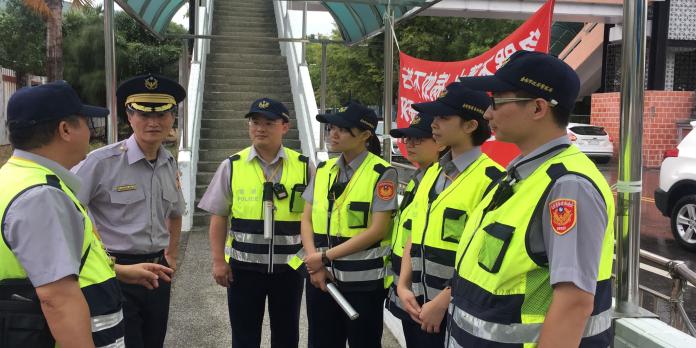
[[373, 144]]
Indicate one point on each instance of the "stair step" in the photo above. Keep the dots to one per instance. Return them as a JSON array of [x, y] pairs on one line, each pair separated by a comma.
[[207, 167], [250, 58], [260, 89], [248, 65], [247, 80], [219, 48], [201, 219], [234, 105], [280, 71]]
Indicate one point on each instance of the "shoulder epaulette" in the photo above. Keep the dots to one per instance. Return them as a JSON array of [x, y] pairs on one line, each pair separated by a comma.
[[303, 158], [380, 168], [321, 164], [494, 173], [234, 157]]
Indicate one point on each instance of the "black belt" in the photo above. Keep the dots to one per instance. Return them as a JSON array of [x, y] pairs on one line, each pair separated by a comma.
[[129, 259]]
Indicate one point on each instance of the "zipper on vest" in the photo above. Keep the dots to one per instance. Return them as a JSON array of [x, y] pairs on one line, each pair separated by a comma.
[[422, 245]]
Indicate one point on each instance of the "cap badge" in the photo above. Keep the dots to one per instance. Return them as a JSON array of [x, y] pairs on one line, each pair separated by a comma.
[[342, 109], [264, 104], [416, 120], [151, 83]]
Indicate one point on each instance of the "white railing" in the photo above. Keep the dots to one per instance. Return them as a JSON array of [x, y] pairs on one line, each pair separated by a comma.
[[188, 146], [301, 84]]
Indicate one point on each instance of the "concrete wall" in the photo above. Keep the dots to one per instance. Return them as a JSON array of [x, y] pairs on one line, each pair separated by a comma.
[[661, 110]]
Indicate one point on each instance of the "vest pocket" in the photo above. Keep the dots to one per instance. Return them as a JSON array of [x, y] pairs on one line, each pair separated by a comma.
[[495, 244], [453, 221], [357, 214], [296, 200]]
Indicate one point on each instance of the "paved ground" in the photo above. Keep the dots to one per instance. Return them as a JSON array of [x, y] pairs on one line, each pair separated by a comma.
[[198, 312]]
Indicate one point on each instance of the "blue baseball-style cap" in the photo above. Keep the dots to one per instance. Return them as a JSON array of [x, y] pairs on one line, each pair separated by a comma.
[[419, 128], [457, 100], [539, 74], [352, 115], [269, 108], [30, 106]]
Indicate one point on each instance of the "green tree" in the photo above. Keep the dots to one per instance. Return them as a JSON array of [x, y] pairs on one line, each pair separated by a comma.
[[23, 45], [357, 72]]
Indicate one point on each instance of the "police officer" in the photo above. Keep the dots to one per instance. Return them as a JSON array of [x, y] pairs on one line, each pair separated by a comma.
[[448, 193], [535, 260], [257, 265], [49, 242], [132, 190], [345, 231], [423, 151]]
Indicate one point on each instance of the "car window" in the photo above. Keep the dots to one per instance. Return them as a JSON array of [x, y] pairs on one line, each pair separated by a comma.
[[588, 130]]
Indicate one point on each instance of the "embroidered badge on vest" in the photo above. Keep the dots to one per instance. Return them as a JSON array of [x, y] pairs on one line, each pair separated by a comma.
[[563, 215], [385, 190]]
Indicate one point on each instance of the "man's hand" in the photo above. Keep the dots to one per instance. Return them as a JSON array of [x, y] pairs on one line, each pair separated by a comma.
[[318, 279], [433, 312], [313, 262], [408, 300], [145, 274], [171, 258], [222, 273]]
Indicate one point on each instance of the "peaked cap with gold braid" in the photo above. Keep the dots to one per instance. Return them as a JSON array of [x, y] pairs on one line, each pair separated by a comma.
[[150, 93]]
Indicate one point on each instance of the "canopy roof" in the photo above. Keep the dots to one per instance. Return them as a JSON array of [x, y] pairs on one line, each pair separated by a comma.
[[155, 15]]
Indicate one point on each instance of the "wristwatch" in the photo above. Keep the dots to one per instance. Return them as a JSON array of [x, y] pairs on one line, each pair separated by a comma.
[[324, 259]]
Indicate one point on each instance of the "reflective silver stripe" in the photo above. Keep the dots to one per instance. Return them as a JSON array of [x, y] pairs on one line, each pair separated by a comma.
[[520, 333], [372, 274], [119, 343], [416, 264], [367, 254], [250, 238], [394, 297], [106, 321], [419, 290], [228, 250], [438, 270], [260, 258]]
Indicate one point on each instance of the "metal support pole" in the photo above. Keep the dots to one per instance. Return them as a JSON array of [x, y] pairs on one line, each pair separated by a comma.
[[184, 70], [304, 34], [322, 96], [388, 79], [110, 71], [629, 185]]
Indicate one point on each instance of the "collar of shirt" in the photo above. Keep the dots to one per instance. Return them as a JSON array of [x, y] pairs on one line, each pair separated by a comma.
[[347, 170], [70, 179], [135, 154], [461, 162], [254, 154], [526, 169]]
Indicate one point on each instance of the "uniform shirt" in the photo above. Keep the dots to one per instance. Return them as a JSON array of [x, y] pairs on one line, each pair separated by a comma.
[[129, 197], [574, 256], [345, 173], [217, 198], [453, 167], [44, 228]]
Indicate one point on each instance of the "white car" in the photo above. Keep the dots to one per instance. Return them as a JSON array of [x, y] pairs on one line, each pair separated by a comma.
[[592, 140], [676, 196]]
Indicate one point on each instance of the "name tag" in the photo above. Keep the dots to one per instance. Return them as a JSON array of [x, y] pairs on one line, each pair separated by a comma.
[[125, 188]]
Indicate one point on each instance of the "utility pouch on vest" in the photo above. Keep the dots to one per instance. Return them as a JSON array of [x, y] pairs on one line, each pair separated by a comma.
[[22, 324], [296, 200], [495, 245], [357, 214], [453, 222], [407, 231]]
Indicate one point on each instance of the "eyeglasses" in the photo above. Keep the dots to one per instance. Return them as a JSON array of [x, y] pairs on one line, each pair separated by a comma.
[[414, 141], [498, 101], [263, 124]]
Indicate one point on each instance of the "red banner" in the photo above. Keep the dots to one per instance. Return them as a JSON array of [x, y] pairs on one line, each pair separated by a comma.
[[423, 80]]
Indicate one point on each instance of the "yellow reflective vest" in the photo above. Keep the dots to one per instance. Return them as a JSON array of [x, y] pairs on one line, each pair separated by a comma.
[[502, 291], [246, 246], [440, 221], [340, 218], [97, 278]]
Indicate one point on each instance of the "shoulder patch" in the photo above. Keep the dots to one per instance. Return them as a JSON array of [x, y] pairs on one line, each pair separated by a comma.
[[386, 190], [494, 173], [234, 157], [563, 214], [321, 164], [303, 158], [380, 168]]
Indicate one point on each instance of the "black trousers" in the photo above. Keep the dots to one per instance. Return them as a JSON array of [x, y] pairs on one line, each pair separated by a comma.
[[329, 327], [145, 312], [246, 301], [416, 337]]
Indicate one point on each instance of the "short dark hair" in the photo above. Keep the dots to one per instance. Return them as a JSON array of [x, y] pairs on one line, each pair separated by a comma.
[[30, 138], [560, 116]]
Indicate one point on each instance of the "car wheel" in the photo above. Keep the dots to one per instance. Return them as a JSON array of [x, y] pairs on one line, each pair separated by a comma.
[[602, 160], [684, 222]]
